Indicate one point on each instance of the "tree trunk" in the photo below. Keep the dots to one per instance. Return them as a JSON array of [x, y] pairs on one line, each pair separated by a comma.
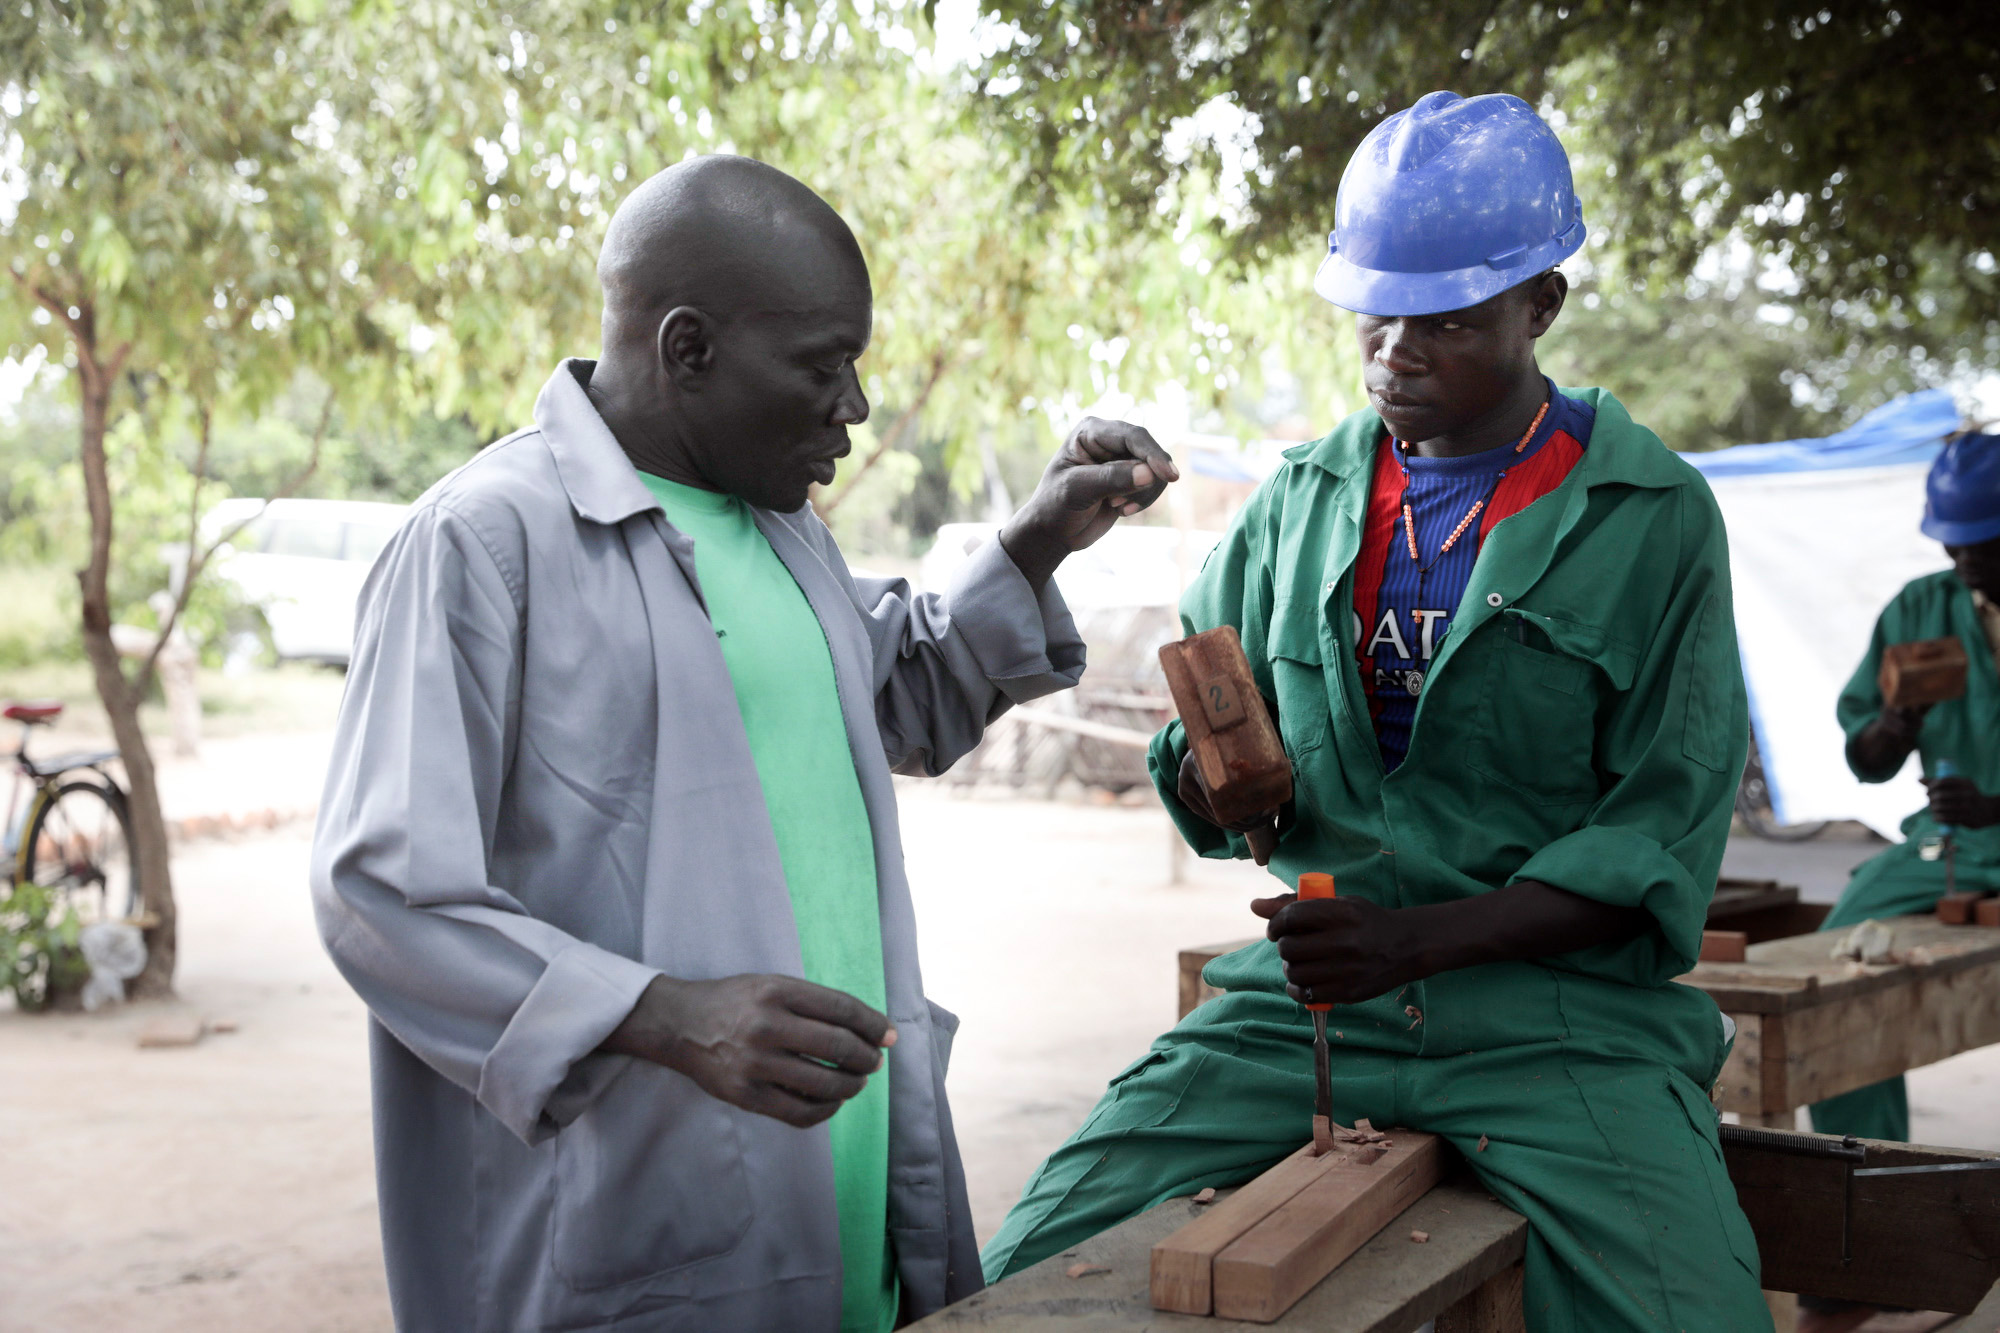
[[120, 697]]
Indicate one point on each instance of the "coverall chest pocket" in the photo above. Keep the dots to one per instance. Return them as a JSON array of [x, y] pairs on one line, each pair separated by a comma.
[[1298, 675], [1537, 725], [649, 1179]]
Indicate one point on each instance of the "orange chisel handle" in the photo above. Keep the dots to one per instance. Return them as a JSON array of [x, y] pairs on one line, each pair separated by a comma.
[[1313, 884]]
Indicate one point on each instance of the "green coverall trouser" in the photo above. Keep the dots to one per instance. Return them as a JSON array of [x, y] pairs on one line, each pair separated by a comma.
[[1619, 1239], [1898, 881]]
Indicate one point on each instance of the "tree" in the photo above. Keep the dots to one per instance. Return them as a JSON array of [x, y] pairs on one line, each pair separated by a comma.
[[216, 201], [1856, 144]]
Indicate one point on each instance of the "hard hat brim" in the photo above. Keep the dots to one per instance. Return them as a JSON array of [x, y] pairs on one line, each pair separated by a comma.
[[1963, 532], [1367, 291]]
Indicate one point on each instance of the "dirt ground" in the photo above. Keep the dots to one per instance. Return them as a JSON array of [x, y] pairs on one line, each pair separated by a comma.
[[228, 1186]]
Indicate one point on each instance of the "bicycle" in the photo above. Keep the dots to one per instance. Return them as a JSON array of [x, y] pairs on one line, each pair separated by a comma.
[[71, 844]]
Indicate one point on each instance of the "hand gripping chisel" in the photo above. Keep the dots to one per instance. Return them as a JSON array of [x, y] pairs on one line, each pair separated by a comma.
[[1315, 885]]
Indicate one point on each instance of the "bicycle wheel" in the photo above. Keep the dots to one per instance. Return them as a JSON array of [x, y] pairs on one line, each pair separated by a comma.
[[79, 849], [1753, 803]]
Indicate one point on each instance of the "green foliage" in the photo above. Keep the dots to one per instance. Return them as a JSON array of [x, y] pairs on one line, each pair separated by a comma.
[[41, 955], [1857, 144], [1705, 370], [39, 622]]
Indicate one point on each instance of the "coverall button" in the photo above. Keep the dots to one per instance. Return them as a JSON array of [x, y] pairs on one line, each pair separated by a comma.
[[1494, 599]]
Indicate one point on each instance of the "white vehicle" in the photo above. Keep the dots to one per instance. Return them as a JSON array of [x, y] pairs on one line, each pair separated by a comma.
[[302, 562]]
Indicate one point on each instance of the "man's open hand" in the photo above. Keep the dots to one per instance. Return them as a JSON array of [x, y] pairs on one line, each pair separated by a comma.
[[1104, 470], [778, 1046], [1956, 801]]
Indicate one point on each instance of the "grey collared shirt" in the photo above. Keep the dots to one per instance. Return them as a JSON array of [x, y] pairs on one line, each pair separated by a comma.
[[541, 797]]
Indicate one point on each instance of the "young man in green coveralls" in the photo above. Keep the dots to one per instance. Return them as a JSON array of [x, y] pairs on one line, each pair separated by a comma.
[[1519, 889], [1962, 511]]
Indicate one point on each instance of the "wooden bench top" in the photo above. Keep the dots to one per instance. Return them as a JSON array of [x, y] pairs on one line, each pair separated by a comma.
[[1390, 1285], [1779, 976]]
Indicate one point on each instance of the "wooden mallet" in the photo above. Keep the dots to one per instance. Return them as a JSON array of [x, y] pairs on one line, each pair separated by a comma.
[[1235, 746]]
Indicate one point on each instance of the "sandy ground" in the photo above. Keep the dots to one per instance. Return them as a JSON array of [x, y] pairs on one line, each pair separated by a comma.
[[228, 1186]]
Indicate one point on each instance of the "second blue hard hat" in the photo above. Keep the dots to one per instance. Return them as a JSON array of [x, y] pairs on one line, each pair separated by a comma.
[[1962, 494], [1447, 204]]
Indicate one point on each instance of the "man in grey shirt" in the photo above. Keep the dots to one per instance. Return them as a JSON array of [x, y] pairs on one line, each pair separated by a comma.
[[545, 858]]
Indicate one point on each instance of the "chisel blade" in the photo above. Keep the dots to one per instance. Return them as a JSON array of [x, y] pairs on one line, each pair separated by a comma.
[[1322, 1087]]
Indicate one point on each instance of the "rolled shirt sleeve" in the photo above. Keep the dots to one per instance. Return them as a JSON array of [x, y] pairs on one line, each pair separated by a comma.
[[509, 1007]]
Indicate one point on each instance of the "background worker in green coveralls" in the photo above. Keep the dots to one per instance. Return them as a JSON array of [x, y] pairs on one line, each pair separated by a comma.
[[1525, 855], [1961, 510]]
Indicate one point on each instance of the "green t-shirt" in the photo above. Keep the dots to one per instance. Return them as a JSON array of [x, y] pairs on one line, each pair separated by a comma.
[[783, 673]]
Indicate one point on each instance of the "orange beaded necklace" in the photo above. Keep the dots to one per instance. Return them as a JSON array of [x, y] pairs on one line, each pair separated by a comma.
[[1479, 505]]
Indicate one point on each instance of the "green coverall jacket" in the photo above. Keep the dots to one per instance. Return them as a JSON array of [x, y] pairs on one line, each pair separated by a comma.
[[1583, 725]]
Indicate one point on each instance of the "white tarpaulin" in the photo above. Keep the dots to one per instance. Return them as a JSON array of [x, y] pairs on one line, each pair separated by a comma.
[[1822, 534]]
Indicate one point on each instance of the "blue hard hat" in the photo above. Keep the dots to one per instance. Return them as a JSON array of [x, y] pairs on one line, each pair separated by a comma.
[[1962, 495], [1448, 203]]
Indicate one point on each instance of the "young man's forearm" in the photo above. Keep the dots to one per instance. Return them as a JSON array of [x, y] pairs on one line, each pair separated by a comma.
[[1522, 921]]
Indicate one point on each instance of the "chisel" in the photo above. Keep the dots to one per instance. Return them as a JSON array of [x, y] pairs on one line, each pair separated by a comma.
[[1947, 769], [1315, 885]]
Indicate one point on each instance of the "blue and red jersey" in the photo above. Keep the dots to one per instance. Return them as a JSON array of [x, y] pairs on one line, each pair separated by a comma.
[[1442, 508]]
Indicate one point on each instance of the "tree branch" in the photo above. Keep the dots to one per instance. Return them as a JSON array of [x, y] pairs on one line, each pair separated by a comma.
[[199, 556]]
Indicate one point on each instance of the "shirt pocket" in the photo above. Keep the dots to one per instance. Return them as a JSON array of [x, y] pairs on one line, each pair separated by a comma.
[[653, 1135], [1537, 725], [1298, 677]]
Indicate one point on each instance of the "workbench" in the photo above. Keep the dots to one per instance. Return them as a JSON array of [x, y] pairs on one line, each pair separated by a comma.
[[1809, 1027], [1466, 1276]]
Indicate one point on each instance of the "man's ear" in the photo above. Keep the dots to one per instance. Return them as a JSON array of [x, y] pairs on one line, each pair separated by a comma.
[[686, 347], [1546, 302]]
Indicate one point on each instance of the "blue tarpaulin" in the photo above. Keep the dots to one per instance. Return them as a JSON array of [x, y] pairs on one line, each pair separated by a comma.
[[1822, 533], [1910, 429]]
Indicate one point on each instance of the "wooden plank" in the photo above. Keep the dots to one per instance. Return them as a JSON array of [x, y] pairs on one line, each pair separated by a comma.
[[1494, 1308], [1724, 946], [1786, 974], [1928, 1241], [1388, 1286], [1183, 1263], [1264, 1273], [1776, 922], [1734, 896], [1850, 1043]]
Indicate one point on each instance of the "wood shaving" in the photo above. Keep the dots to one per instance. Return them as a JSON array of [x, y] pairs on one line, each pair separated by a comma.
[[1482, 1144], [1414, 1014], [1870, 942], [1363, 1132], [1206, 1196], [1085, 1270], [1420, 1237]]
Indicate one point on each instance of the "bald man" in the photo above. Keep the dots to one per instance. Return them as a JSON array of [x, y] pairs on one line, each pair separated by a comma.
[[609, 845]]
